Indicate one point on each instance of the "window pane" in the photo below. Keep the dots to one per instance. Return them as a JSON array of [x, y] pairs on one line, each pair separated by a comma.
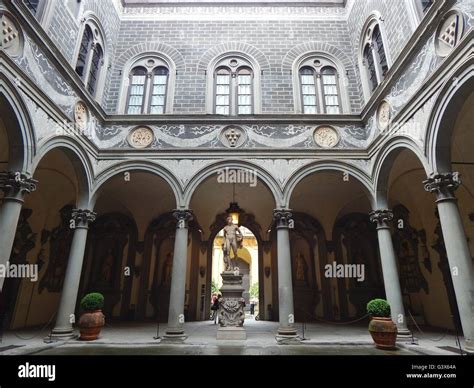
[[309, 100], [160, 79], [157, 100], [307, 79], [159, 89], [244, 79], [332, 110], [331, 89], [157, 110], [33, 5], [245, 110], [94, 70], [245, 89], [245, 100], [222, 100], [222, 89], [370, 68], [310, 109], [309, 89], [86, 44], [222, 110], [134, 110], [331, 100], [222, 79], [329, 79], [381, 51]]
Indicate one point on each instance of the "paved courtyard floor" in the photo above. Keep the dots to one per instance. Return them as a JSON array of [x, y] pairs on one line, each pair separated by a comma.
[[138, 339]]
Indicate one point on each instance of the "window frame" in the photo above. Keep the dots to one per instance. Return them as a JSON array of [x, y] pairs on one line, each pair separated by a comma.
[[233, 60], [368, 40], [98, 40], [317, 63], [151, 64]]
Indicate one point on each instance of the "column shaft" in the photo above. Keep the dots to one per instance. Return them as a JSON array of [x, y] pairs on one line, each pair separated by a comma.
[[286, 330], [63, 328], [175, 330]]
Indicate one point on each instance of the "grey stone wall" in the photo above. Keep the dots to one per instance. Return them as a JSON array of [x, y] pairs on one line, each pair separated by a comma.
[[275, 41]]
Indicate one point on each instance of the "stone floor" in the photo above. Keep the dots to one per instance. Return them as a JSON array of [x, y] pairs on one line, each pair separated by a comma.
[[138, 339]]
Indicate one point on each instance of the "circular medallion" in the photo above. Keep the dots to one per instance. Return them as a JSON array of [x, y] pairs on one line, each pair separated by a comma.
[[383, 115], [81, 115], [449, 32], [233, 136], [326, 137], [141, 137], [10, 36]]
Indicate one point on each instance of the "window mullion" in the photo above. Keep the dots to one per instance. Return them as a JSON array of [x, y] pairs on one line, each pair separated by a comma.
[[320, 102], [147, 93]]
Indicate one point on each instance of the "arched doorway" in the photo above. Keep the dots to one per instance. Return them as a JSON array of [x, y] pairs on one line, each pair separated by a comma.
[[247, 262]]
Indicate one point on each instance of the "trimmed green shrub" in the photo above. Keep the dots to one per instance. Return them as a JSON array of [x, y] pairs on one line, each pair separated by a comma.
[[378, 308], [92, 301]]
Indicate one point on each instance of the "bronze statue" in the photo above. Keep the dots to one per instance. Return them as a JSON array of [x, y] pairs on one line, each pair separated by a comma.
[[232, 240]]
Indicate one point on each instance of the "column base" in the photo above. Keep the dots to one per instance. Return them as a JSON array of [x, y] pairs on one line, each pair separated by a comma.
[[174, 336], [231, 333], [287, 336], [58, 334], [469, 347], [404, 335]]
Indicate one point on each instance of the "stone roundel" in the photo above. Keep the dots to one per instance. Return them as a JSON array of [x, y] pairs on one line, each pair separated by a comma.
[[10, 35], [449, 32], [233, 136], [141, 137], [383, 115], [81, 115], [326, 136]]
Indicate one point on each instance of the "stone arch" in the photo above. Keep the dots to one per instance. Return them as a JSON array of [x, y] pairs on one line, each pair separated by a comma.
[[130, 61], [384, 162], [158, 48], [232, 47], [441, 123], [327, 165], [127, 166], [22, 143], [80, 161], [308, 48], [209, 170]]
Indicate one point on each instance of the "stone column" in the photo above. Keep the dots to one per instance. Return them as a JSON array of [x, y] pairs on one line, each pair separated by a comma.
[[459, 257], [175, 330], [287, 330], [390, 270], [15, 185], [63, 328]]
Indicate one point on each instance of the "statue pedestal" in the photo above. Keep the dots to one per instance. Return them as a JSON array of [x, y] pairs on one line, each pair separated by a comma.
[[231, 309]]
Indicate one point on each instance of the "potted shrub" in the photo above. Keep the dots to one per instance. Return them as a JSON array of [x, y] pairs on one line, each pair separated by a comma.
[[381, 327], [92, 319]]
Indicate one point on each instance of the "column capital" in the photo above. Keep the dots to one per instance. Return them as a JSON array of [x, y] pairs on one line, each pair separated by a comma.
[[282, 218], [443, 185], [16, 185], [83, 217], [381, 217], [183, 216]]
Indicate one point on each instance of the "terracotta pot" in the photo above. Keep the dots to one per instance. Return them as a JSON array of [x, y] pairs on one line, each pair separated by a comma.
[[384, 332], [90, 324]]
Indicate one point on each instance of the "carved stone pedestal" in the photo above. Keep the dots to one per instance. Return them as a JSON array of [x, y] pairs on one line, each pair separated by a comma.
[[231, 308]]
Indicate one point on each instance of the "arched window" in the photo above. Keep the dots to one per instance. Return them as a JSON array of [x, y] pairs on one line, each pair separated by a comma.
[[136, 96], [96, 64], [158, 90], [330, 90], [84, 49], [308, 90], [222, 102], [148, 87], [90, 57], [234, 86], [374, 57], [319, 86]]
